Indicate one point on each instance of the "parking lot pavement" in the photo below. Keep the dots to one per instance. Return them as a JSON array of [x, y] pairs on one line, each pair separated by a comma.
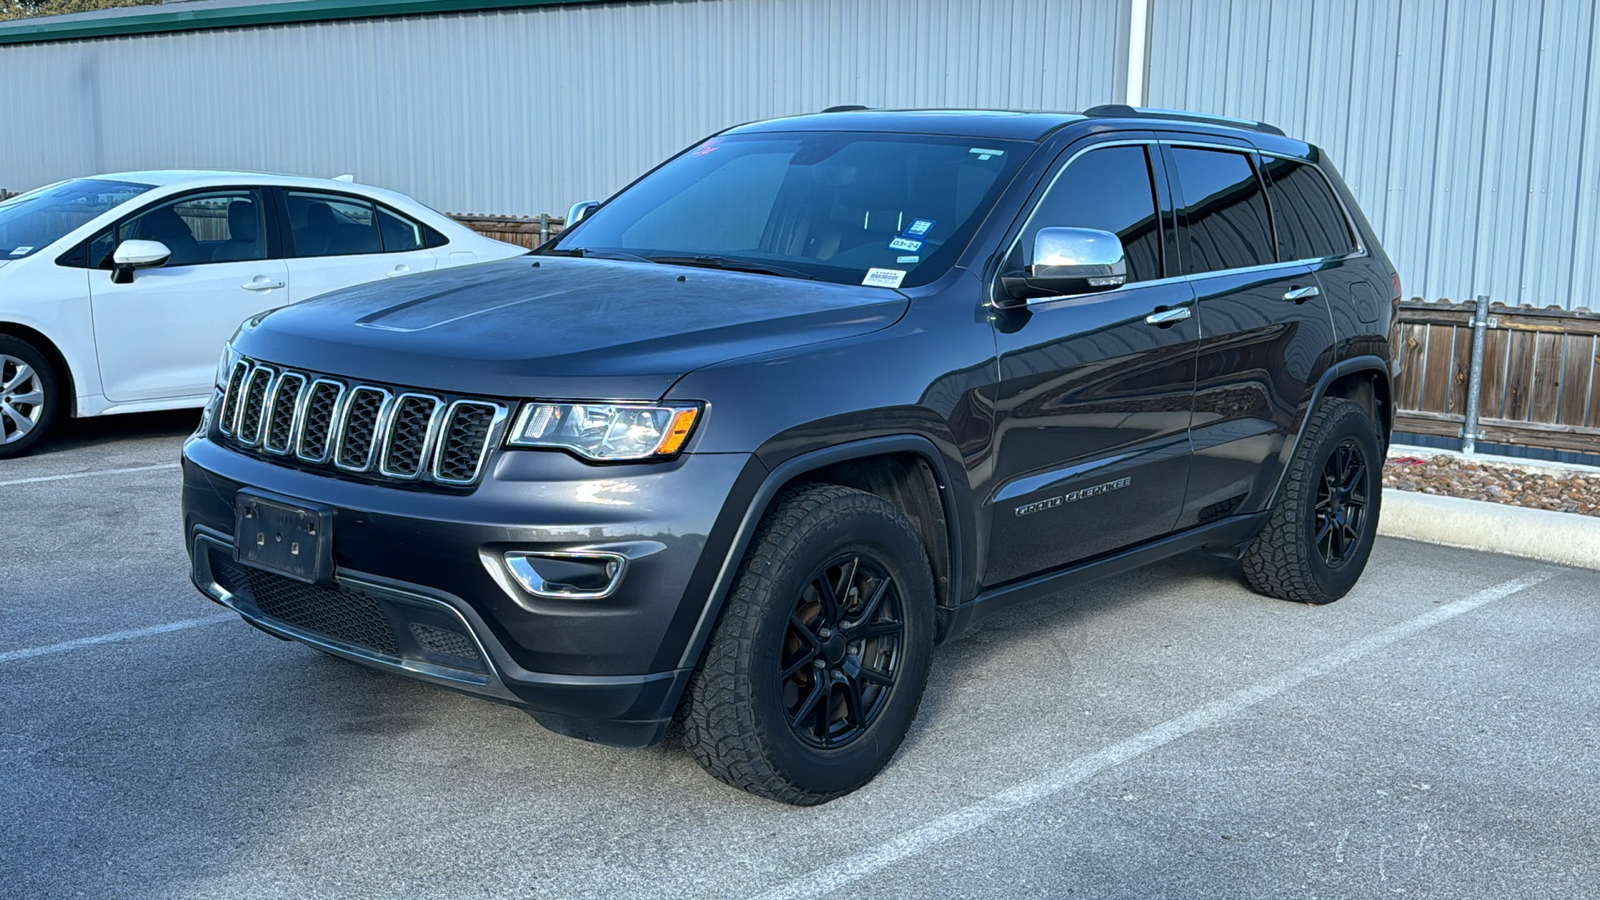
[[1166, 733]]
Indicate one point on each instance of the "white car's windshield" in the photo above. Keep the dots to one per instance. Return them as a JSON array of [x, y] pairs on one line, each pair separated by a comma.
[[853, 208], [33, 221]]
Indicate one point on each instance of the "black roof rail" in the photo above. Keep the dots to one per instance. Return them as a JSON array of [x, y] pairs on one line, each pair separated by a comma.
[[848, 107], [1123, 111]]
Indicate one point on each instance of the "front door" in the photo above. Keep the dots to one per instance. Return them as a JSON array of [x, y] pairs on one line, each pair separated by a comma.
[[1268, 332], [158, 337], [1093, 397]]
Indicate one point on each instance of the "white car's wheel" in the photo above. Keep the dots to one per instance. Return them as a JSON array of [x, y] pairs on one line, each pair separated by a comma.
[[29, 396]]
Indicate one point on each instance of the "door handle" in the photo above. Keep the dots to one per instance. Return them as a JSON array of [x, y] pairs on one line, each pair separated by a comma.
[[1164, 317], [1302, 294], [397, 271], [262, 285]]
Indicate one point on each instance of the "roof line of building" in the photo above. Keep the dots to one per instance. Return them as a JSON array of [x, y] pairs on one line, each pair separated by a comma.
[[187, 17]]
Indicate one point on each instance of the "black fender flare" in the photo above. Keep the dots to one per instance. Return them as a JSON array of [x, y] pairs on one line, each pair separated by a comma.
[[1377, 365], [785, 472]]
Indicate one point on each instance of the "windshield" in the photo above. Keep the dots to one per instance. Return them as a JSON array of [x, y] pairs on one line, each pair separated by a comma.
[[36, 220], [881, 210]]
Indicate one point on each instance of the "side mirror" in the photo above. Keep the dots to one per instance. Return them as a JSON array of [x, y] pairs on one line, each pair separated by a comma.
[[1069, 261], [579, 212], [132, 255]]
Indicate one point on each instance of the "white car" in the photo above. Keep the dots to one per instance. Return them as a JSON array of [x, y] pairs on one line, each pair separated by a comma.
[[118, 292]]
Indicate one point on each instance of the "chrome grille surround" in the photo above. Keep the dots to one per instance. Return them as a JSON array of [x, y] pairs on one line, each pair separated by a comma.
[[354, 428]]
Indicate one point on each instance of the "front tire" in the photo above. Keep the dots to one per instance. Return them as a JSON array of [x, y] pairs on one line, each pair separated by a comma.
[[30, 396], [818, 664], [1318, 539]]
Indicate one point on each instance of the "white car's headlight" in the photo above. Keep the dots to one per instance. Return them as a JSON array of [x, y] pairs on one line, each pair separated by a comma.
[[606, 431]]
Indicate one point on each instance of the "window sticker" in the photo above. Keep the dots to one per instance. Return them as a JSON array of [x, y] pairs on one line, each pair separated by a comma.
[[908, 259], [889, 278], [919, 228], [710, 146], [984, 154], [22, 251], [909, 245]]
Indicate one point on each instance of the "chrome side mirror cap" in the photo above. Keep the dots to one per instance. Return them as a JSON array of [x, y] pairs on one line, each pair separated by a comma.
[[132, 255], [579, 212], [1069, 261]]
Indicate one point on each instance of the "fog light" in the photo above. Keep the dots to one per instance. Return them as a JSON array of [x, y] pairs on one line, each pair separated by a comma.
[[578, 575]]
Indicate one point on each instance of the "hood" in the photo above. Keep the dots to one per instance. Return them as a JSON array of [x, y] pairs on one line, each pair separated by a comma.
[[4, 263], [560, 328]]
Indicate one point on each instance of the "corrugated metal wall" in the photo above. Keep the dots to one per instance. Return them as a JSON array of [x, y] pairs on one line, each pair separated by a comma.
[[1468, 129], [526, 111]]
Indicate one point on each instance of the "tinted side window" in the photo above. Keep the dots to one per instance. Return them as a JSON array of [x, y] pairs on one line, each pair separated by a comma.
[[399, 232], [1311, 224], [226, 226], [332, 225], [1223, 210], [1109, 189]]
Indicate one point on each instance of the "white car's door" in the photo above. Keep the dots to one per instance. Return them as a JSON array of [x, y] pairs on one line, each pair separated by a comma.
[[341, 240], [158, 335]]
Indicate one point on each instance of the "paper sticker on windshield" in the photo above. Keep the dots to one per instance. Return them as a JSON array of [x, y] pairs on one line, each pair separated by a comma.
[[985, 154], [909, 245], [907, 259], [919, 228], [22, 251], [889, 278]]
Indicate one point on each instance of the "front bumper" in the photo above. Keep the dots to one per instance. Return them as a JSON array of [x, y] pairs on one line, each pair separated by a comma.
[[419, 587]]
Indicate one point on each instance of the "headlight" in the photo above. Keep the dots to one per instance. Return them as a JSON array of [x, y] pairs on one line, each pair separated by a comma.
[[606, 431], [225, 365]]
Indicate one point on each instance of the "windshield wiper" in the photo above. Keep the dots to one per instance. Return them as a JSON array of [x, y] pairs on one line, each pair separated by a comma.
[[733, 265], [598, 254]]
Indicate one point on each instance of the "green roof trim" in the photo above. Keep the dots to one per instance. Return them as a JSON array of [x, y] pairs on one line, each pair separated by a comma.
[[174, 17]]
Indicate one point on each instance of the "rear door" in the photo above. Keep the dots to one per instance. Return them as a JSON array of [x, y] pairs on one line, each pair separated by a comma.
[[158, 336], [1266, 332], [339, 240], [1093, 399]]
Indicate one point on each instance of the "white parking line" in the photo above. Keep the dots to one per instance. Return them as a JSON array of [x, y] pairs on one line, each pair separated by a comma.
[[71, 475], [29, 652], [975, 815]]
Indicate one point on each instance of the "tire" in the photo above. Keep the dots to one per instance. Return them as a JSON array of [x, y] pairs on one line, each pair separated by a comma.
[[30, 396], [1316, 543], [791, 701]]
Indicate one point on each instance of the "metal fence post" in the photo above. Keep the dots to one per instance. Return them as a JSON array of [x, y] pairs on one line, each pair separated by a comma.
[[544, 227], [1480, 329]]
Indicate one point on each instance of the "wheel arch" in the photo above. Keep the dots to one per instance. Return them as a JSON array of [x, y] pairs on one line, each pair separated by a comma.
[[907, 470], [1363, 379], [58, 360]]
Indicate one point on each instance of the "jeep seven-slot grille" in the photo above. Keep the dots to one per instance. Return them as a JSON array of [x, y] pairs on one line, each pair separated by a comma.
[[354, 428]]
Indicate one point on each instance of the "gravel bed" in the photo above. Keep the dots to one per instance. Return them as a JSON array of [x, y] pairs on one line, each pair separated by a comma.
[[1452, 476]]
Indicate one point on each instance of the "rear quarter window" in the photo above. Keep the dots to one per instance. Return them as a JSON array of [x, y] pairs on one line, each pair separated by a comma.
[[1311, 224]]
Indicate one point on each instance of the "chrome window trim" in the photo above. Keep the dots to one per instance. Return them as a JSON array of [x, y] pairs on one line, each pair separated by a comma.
[[496, 433], [430, 437], [254, 440], [274, 398], [379, 425], [333, 423]]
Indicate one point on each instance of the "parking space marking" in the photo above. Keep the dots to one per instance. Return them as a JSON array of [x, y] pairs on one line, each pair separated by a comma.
[[1019, 796], [72, 475], [64, 646]]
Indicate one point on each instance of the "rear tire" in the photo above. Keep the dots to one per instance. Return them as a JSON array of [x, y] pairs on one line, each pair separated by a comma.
[[30, 396], [818, 664], [1317, 541]]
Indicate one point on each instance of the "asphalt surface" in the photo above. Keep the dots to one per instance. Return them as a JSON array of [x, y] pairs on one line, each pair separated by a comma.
[[1162, 734]]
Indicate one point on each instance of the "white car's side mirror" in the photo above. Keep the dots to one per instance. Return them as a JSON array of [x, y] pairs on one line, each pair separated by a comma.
[[132, 255]]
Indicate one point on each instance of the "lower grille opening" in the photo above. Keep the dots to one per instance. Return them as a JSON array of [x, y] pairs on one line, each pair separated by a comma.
[[444, 643], [343, 615]]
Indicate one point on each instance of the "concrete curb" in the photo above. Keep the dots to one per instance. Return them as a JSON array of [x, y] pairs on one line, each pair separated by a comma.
[[1562, 538]]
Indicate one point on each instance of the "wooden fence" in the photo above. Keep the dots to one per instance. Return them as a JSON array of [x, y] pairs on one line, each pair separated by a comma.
[[1541, 374], [526, 231]]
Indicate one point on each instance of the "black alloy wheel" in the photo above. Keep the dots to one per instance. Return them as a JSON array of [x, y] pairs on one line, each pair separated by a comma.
[[1341, 510], [841, 651]]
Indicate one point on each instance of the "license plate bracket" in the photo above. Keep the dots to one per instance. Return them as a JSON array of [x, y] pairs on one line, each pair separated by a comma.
[[290, 538]]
